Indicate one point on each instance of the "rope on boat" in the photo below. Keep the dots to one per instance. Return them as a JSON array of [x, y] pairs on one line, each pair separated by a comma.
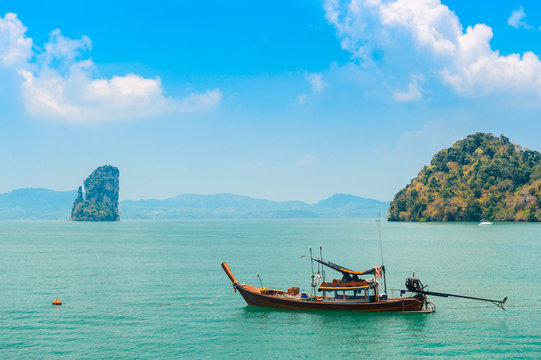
[[196, 302]]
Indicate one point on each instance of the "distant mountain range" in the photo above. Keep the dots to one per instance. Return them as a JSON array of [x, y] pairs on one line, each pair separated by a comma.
[[49, 204], [235, 206], [38, 203]]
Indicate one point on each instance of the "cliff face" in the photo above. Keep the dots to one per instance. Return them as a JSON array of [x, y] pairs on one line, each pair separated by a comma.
[[101, 196], [479, 177]]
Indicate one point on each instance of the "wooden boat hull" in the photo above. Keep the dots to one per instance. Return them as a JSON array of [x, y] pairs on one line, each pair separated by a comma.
[[252, 295], [280, 299]]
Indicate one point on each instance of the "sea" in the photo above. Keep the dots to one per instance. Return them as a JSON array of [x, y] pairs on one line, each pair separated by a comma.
[[155, 289]]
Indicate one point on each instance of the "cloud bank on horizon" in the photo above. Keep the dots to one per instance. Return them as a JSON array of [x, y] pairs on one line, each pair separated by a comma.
[[57, 85], [425, 40]]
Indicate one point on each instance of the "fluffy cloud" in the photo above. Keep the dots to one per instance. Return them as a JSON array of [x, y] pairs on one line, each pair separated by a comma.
[[56, 84], [430, 35], [64, 49], [516, 19], [14, 46], [316, 82], [413, 92]]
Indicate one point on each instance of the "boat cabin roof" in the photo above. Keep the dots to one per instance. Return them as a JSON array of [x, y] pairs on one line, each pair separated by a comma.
[[344, 270], [341, 285]]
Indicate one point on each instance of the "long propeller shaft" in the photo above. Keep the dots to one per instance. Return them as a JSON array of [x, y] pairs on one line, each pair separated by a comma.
[[498, 303]]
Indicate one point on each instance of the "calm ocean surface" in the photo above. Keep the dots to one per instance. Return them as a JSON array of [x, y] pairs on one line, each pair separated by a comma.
[[126, 286]]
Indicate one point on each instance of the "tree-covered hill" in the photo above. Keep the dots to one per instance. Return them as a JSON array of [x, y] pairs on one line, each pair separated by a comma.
[[479, 177]]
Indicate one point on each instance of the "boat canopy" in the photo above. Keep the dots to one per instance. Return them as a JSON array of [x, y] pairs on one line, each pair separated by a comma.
[[376, 270]]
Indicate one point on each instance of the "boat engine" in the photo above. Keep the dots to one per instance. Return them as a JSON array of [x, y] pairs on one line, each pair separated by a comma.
[[414, 284]]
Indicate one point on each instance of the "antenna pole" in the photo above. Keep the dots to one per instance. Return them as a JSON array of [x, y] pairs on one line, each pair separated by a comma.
[[321, 258], [312, 264], [381, 251]]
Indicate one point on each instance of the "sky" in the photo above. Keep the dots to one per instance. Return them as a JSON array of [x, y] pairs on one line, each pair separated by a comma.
[[281, 100]]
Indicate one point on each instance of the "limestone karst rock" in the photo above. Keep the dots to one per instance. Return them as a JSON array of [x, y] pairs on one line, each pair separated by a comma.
[[100, 202]]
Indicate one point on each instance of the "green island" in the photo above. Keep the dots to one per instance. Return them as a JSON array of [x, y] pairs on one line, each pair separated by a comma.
[[101, 200], [480, 177]]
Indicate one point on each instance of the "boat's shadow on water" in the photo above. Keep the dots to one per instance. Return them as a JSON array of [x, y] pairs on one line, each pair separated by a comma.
[[258, 312], [350, 324]]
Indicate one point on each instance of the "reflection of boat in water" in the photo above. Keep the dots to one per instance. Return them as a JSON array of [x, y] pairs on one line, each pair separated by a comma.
[[349, 293], [485, 222]]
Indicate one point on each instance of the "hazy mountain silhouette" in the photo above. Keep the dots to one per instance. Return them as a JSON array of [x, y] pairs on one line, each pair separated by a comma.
[[50, 204]]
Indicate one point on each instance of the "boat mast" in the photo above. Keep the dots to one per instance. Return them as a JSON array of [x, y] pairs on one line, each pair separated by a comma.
[[381, 251]]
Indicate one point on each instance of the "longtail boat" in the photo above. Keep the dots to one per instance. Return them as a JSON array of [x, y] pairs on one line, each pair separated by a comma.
[[351, 292]]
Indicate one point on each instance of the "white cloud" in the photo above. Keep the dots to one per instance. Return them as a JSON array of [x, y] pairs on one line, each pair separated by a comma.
[[516, 19], [428, 33], [57, 85], [413, 92], [65, 49], [200, 102], [77, 98], [14, 46], [316, 81], [301, 99]]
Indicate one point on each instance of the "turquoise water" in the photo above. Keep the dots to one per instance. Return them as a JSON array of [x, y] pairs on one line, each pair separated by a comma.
[[126, 286]]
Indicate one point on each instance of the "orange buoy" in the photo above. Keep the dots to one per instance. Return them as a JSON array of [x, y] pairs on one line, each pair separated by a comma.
[[57, 302]]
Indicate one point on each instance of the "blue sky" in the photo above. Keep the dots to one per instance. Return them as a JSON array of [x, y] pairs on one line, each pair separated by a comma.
[[280, 100]]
